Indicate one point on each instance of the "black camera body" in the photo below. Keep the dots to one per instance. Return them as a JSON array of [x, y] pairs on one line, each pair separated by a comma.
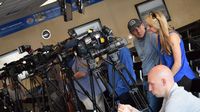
[[98, 43], [90, 42]]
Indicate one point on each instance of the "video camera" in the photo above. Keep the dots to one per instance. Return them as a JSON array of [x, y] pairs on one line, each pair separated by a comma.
[[31, 63], [89, 40], [93, 40]]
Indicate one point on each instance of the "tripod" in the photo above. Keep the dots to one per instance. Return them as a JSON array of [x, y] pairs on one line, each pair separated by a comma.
[[33, 85], [84, 81], [98, 75], [73, 97], [95, 71], [51, 91], [18, 92], [129, 82], [6, 103]]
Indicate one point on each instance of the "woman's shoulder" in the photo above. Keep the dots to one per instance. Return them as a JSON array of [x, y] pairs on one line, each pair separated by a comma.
[[174, 36], [174, 33]]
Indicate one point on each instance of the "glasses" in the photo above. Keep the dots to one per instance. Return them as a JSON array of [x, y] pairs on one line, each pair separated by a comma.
[[153, 15]]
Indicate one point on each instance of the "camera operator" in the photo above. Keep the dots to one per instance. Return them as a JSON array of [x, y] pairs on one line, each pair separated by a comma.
[[82, 72]]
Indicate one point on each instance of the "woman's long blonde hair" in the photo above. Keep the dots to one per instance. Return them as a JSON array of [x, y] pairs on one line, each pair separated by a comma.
[[159, 21]]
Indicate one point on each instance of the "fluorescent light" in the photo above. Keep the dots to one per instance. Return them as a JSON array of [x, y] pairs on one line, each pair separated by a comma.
[[48, 2], [1, 3]]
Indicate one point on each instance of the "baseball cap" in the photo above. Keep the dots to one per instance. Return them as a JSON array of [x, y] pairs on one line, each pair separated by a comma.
[[133, 23]]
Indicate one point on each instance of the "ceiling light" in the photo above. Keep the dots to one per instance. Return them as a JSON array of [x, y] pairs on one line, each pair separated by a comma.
[[1, 3], [48, 2]]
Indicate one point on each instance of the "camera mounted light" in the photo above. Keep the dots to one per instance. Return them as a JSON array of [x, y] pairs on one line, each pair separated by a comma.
[[102, 40]]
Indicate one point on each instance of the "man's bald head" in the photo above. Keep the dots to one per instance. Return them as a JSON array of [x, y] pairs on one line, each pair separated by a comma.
[[160, 71], [160, 79]]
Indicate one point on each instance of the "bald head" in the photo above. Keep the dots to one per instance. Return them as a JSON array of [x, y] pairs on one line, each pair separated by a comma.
[[160, 71], [160, 79]]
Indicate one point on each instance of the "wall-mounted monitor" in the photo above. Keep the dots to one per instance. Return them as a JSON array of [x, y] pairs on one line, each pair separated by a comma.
[[81, 30]]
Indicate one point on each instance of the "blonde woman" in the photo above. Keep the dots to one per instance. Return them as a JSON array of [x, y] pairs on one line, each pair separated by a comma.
[[171, 48]]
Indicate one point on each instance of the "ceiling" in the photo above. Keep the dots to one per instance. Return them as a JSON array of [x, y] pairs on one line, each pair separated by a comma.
[[14, 9]]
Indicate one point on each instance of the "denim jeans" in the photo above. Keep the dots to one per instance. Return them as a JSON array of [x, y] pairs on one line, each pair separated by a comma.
[[154, 102]]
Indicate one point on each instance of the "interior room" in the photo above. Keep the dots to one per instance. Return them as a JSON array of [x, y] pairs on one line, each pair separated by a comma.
[[92, 55]]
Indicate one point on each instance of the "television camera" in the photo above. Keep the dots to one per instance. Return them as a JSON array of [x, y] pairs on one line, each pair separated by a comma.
[[89, 45]]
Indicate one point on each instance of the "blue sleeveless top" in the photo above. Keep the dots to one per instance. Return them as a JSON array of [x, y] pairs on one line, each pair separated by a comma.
[[168, 60]]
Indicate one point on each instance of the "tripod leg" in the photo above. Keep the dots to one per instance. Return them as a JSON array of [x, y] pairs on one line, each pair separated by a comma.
[[85, 92], [105, 85], [72, 95]]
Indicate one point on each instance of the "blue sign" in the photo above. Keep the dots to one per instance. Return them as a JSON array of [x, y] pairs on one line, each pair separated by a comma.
[[37, 18]]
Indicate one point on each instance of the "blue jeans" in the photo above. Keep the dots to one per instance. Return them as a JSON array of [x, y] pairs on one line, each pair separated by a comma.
[[154, 102]]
